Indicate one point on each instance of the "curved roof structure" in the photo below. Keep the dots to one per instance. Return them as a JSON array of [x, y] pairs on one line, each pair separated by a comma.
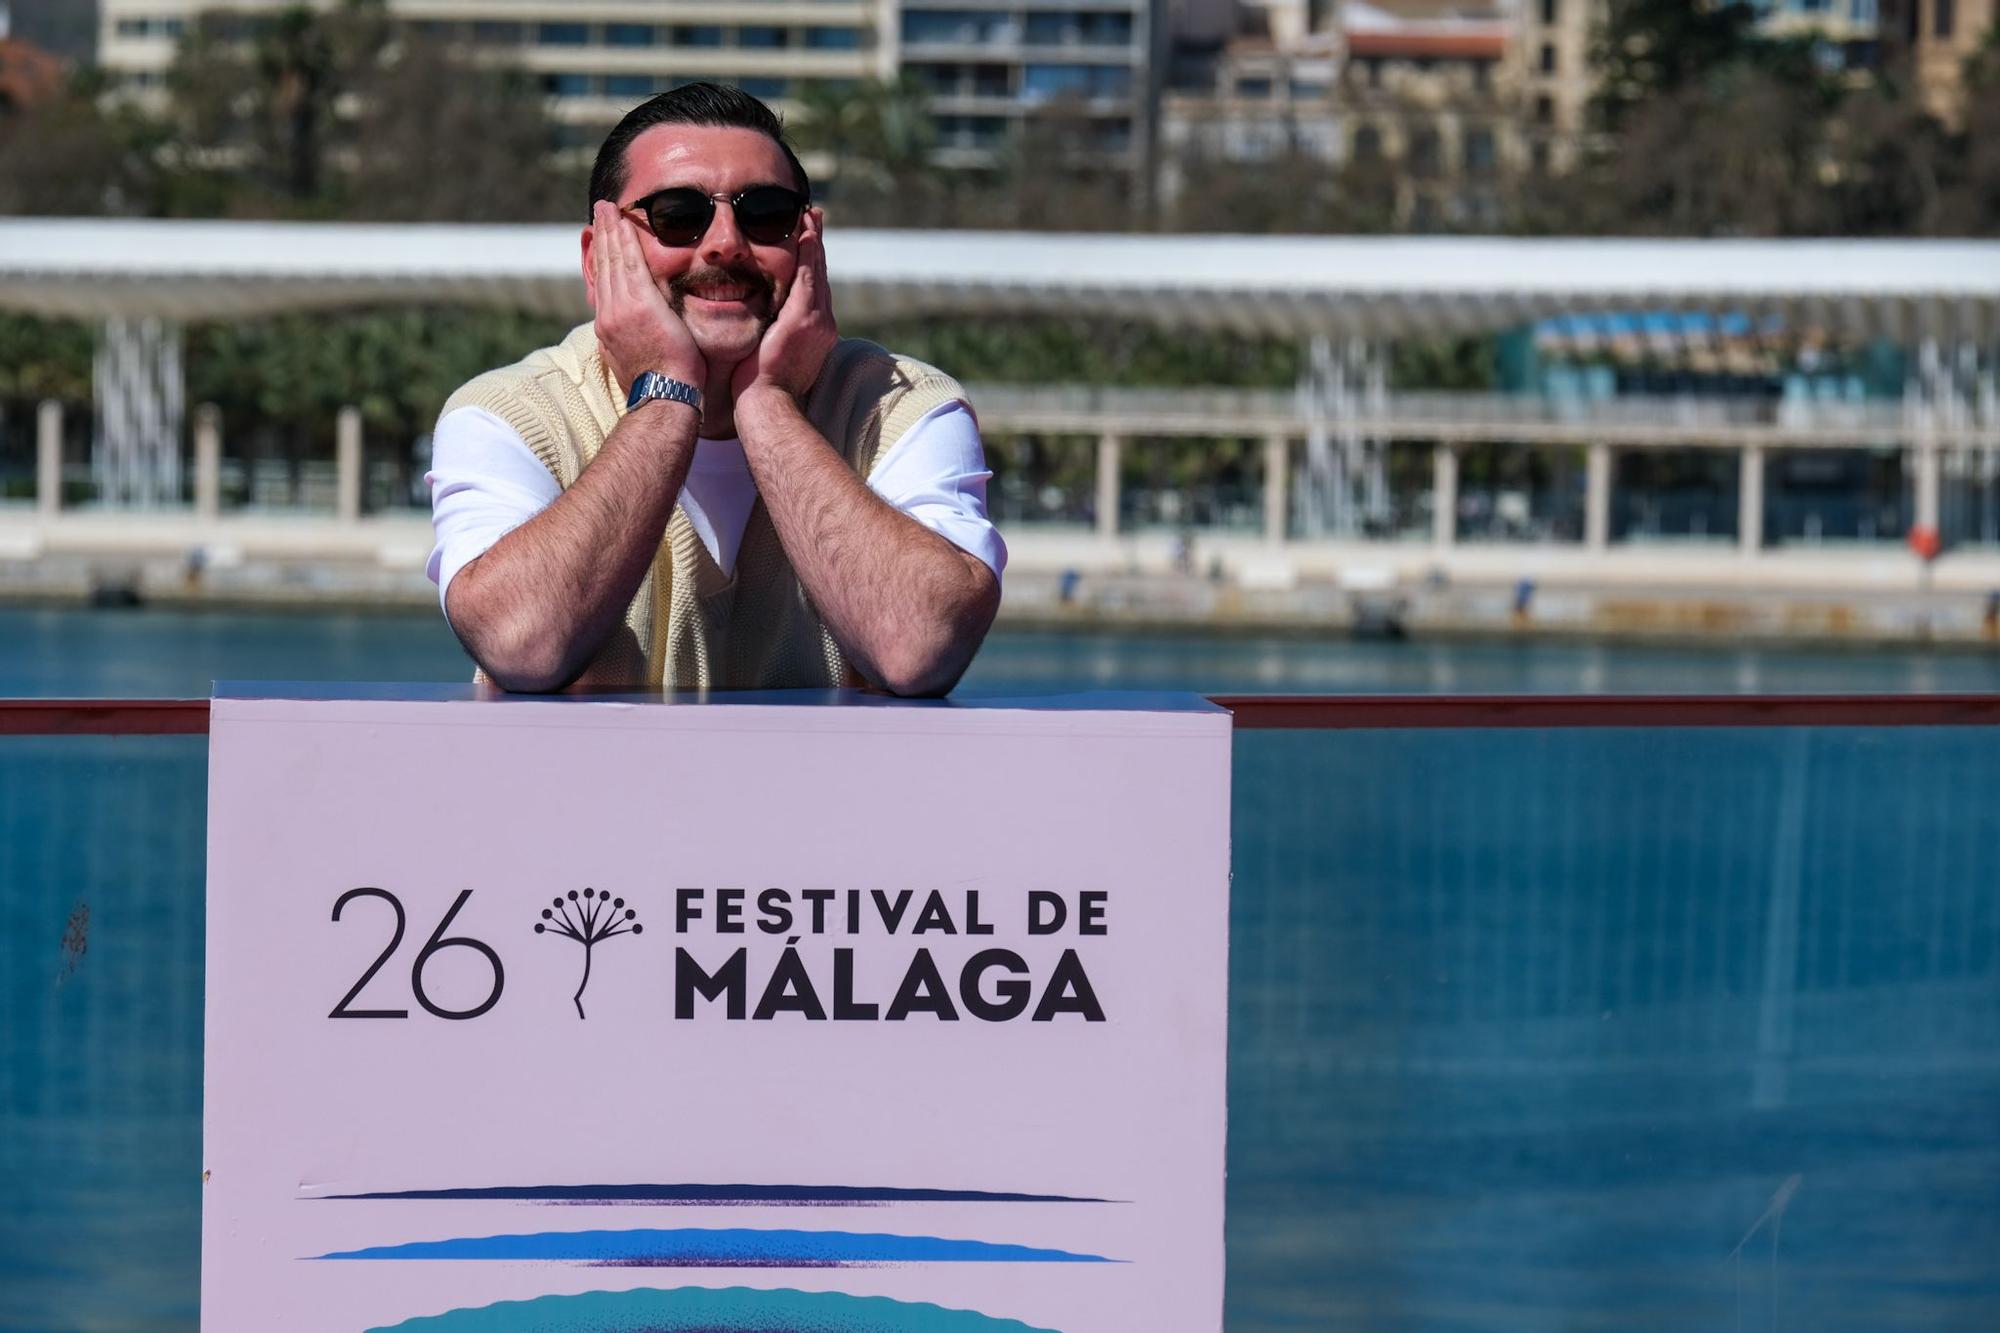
[[1286, 285]]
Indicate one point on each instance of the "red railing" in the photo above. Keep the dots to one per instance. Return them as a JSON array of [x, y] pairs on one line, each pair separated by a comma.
[[1262, 712]]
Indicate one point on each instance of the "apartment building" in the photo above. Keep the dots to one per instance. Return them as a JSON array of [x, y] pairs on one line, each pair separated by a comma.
[[1935, 38], [595, 58], [1549, 63], [1420, 86], [991, 65]]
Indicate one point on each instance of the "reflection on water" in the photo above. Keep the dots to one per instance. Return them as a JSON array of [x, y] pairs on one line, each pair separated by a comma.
[[1527, 1030]]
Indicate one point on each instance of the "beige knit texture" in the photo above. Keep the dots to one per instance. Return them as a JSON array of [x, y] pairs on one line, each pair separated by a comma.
[[757, 630]]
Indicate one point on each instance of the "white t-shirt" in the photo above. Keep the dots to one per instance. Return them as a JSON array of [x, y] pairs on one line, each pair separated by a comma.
[[485, 482]]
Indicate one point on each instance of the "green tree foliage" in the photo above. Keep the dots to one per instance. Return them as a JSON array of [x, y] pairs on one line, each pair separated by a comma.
[[74, 156], [256, 104], [435, 139], [879, 138], [397, 365], [43, 358]]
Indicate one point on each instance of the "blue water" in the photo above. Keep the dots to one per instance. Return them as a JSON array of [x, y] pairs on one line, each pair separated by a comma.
[[151, 653], [1527, 1029]]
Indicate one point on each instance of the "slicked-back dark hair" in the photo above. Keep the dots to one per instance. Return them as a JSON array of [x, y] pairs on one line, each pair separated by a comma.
[[712, 104]]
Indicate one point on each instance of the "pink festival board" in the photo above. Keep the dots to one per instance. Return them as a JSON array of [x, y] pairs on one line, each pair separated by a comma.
[[841, 1015]]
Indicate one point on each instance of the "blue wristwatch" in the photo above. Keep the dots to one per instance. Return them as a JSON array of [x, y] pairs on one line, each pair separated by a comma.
[[652, 384]]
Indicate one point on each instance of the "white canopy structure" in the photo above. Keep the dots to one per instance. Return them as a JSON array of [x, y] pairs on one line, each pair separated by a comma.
[[1347, 296], [1367, 287]]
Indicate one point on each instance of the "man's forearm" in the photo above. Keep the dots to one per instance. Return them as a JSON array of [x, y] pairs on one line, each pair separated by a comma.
[[539, 604], [908, 607]]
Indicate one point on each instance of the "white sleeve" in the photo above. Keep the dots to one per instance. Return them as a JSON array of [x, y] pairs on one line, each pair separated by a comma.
[[485, 481], [937, 474]]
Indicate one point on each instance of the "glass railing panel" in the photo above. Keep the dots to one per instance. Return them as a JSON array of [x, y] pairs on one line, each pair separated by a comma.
[[1604, 1028], [1572, 1028], [101, 921]]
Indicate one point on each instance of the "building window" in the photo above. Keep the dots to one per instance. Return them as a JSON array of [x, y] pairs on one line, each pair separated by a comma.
[[1041, 83], [1548, 58], [1070, 29], [765, 90], [1426, 153], [153, 27], [628, 34], [1368, 144], [833, 39], [697, 35], [1253, 87], [1944, 18], [1545, 109], [563, 34], [971, 26], [628, 85], [1479, 156], [761, 37], [497, 34], [566, 85], [1548, 13]]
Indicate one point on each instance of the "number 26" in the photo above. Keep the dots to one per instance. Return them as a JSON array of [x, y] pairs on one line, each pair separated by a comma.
[[437, 943]]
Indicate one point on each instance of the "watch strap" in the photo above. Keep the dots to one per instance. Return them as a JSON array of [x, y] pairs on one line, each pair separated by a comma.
[[651, 385]]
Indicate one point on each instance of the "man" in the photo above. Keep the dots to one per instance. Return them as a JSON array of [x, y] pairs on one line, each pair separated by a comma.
[[707, 486]]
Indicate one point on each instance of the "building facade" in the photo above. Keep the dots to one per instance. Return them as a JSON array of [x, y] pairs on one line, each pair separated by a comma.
[[1549, 61], [595, 58], [991, 66], [1422, 89], [1935, 38]]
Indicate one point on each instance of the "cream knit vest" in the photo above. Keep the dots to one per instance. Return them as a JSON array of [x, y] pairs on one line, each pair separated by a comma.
[[693, 626]]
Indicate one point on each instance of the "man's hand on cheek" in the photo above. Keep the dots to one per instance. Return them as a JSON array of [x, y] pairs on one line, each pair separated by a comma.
[[636, 328], [795, 347]]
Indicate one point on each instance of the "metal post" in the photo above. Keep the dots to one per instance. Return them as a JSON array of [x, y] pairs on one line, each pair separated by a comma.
[[1444, 495], [207, 462], [347, 464], [1277, 478], [48, 458], [1597, 497], [1750, 501], [1107, 484]]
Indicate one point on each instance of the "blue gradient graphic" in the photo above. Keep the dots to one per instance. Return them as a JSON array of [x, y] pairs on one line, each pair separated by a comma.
[[734, 1247], [711, 1310], [830, 1195]]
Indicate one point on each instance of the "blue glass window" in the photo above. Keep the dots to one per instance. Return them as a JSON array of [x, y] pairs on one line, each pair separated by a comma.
[[760, 37], [563, 34], [629, 34], [628, 85], [833, 39], [981, 26], [697, 35], [1070, 29], [766, 89]]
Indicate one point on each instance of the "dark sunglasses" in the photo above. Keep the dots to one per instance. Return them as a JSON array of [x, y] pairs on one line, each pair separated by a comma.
[[765, 214]]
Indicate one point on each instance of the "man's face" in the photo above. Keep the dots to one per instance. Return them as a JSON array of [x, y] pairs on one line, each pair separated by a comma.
[[725, 288]]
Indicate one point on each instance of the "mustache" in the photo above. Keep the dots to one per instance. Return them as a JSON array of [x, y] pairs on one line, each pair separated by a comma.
[[729, 275]]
